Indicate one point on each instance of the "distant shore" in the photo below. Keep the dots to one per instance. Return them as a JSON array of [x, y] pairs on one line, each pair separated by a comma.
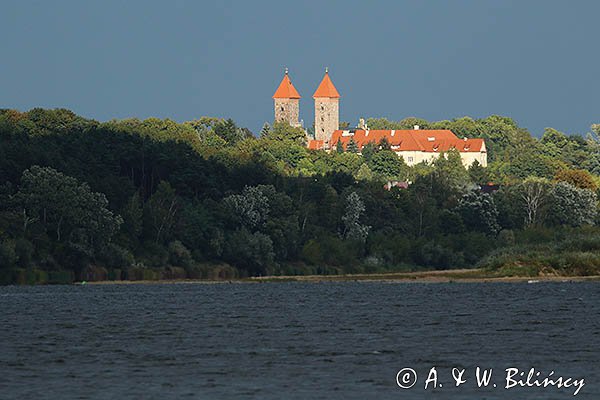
[[446, 276]]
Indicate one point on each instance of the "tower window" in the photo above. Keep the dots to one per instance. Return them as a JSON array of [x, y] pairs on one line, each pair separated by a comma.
[[281, 108], [322, 119], [322, 108]]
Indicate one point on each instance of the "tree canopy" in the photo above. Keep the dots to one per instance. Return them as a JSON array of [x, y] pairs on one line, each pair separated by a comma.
[[132, 197]]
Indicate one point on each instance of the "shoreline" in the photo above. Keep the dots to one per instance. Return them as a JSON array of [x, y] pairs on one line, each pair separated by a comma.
[[446, 276]]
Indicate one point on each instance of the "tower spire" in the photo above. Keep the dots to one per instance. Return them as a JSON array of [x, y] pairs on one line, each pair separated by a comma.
[[287, 101], [327, 108]]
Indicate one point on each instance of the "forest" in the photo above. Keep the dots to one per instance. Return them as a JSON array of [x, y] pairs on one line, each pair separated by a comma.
[[82, 200]]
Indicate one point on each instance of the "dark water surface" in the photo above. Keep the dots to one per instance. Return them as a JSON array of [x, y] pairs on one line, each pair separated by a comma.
[[294, 340]]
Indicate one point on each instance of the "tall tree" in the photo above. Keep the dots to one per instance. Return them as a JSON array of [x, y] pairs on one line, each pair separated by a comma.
[[65, 209], [266, 130], [534, 194], [352, 147], [353, 229], [387, 165]]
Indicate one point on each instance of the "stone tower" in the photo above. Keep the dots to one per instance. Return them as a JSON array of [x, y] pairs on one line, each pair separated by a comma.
[[327, 109], [287, 102]]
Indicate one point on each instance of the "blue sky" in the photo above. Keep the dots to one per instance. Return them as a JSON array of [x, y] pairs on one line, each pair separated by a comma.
[[535, 61]]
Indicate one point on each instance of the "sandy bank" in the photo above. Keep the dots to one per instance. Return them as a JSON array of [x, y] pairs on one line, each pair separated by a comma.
[[455, 275]]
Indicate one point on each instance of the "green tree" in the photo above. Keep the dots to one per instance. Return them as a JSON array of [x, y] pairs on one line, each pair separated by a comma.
[[228, 131], [132, 214], [572, 206], [208, 138], [478, 212], [64, 209], [252, 252], [352, 147], [534, 194], [554, 142], [266, 130], [353, 229], [179, 255], [384, 144], [8, 255], [368, 151], [478, 174], [364, 173], [161, 130], [387, 165], [249, 209], [160, 213], [283, 131], [462, 127], [450, 171], [577, 177]]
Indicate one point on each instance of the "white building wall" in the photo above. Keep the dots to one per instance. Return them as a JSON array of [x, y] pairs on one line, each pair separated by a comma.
[[415, 157]]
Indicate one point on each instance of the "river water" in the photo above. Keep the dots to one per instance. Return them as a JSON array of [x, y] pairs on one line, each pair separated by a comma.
[[297, 340]]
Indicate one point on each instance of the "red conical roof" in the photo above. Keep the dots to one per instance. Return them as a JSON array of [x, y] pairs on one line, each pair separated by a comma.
[[286, 90], [326, 88]]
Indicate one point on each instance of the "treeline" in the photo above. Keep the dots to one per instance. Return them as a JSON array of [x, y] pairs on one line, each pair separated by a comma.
[[132, 199]]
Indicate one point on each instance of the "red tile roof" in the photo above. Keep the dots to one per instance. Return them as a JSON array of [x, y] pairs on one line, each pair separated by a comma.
[[326, 89], [315, 144], [286, 90], [410, 140]]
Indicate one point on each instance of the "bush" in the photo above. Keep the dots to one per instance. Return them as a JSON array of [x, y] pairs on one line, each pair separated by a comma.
[[115, 274], [223, 272], [174, 273], [582, 263], [8, 256], [94, 274], [197, 272], [252, 252], [155, 255], [8, 276], [36, 277], [115, 256], [311, 252], [565, 254], [61, 277], [438, 256], [179, 255], [24, 251], [143, 274]]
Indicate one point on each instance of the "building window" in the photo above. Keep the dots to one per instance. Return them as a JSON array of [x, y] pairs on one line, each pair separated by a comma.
[[322, 108], [282, 108], [410, 159]]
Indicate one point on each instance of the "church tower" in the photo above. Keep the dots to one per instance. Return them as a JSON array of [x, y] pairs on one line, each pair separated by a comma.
[[327, 109], [287, 102]]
